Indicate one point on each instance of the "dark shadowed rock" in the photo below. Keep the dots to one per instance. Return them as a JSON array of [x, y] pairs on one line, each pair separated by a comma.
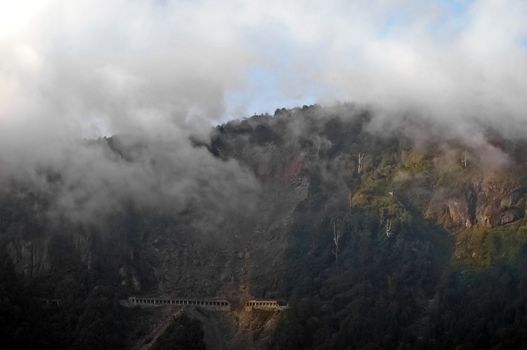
[[508, 216]]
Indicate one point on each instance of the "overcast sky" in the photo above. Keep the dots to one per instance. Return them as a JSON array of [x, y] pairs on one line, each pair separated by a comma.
[[96, 67]]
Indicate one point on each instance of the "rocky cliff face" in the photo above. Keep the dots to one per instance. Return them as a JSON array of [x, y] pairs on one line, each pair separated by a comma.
[[490, 203], [347, 215]]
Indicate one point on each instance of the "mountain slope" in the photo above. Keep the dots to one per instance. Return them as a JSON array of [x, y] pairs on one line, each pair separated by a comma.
[[378, 237]]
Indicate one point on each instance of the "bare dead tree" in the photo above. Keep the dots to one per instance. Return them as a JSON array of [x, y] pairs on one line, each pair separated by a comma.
[[361, 158], [317, 143], [388, 228], [464, 160], [337, 235]]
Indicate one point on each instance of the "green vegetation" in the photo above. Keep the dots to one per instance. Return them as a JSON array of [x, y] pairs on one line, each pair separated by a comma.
[[417, 162], [482, 247], [410, 273]]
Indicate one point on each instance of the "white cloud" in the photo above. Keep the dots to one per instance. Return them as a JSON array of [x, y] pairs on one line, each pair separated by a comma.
[[104, 61], [163, 69]]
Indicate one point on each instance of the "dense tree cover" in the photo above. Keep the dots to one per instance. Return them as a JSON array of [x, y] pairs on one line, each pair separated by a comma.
[[419, 286], [67, 306], [423, 283], [100, 325], [480, 310], [30, 319], [388, 300], [20, 313], [376, 295]]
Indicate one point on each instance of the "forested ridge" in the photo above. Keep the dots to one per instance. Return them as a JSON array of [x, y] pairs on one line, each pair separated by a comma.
[[406, 237]]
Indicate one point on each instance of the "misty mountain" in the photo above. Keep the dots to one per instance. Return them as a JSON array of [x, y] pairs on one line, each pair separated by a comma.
[[378, 231]]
